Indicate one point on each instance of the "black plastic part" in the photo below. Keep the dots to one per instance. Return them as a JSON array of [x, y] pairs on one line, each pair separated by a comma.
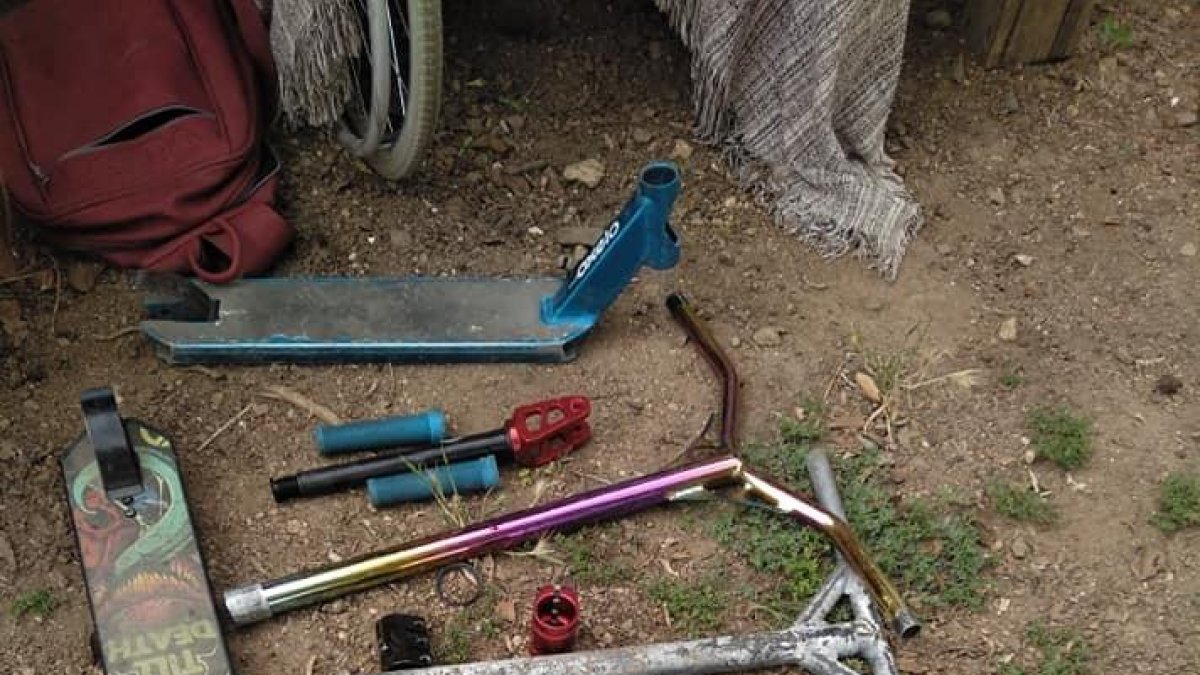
[[173, 298], [403, 642], [120, 471], [340, 477]]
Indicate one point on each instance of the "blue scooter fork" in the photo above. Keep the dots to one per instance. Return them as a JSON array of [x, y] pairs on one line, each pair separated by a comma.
[[419, 319]]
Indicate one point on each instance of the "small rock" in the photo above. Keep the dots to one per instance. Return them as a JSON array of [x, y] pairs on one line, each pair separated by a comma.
[[506, 610], [10, 316], [735, 342], [491, 142], [869, 388], [515, 122], [1186, 118], [1080, 232], [725, 259], [456, 208], [589, 172], [1147, 564], [399, 238], [294, 526], [576, 236], [682, 150], [958, 69], [535, 231], [1168, 385], [641, 135], [335, 607], [938, 19], [1010, 104], [996, 196], [1008, 329], [1020, 548], [914, 664], [7, 556], [1188, 250], [1023, 259], [81, 276], [767, 336]]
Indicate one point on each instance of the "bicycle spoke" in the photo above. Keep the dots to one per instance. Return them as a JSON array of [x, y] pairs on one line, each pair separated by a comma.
[[401, 86]]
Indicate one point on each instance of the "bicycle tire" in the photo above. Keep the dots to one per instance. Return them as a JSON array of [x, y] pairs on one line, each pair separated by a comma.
[[365, 141], [415, 106]]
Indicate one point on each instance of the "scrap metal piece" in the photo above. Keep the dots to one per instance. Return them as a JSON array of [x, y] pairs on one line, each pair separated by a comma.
[[700, 335]]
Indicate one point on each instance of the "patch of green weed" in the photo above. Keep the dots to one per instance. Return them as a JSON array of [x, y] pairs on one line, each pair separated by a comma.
[[695, 607], [40, 603], [454, 645], [808, 430], [1113, 33], [1063, 652], [1011, 379], [579, 554], [1178, 503], [478, 619], [889, 367], [1021, 504], [927, 546], [1060, 436]]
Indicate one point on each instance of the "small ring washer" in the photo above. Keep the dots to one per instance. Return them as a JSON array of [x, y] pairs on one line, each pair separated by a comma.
[[468, 570]]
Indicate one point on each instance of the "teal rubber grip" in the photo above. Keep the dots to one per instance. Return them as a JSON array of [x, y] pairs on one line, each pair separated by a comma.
[[477, 475], [426, 428]]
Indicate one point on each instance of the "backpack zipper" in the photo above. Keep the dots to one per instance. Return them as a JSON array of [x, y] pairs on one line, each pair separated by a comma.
[[101, 143]]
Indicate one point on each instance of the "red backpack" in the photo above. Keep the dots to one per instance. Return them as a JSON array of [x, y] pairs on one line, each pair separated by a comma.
[[133, 130]]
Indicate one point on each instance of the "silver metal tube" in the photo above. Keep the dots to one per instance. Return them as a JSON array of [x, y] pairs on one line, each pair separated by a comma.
[[813, 646]]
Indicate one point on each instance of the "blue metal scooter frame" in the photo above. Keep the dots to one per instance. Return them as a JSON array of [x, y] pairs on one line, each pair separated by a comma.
[[421, 319]]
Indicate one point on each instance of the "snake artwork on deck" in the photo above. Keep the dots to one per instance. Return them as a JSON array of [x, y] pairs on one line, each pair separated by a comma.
[[146, 581]]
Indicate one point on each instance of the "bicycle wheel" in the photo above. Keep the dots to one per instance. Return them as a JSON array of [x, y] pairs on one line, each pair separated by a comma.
[[393, 112]]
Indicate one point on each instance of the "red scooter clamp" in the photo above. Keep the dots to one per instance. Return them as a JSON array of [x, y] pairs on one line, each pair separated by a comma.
[[555, 620], [542, 432]]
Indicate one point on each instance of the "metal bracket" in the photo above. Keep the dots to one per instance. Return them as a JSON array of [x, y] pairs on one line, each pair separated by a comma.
[[429, 319]]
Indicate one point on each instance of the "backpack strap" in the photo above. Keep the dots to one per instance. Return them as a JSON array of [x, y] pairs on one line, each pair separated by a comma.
[[244, 240]]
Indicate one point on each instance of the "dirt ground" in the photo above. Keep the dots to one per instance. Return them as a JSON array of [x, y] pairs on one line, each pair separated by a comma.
[[1088, 167]]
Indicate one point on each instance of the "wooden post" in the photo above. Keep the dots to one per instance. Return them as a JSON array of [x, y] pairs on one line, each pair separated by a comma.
[[1008, 32]]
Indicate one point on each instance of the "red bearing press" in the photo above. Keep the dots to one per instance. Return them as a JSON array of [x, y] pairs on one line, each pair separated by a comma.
[[555, 620]]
